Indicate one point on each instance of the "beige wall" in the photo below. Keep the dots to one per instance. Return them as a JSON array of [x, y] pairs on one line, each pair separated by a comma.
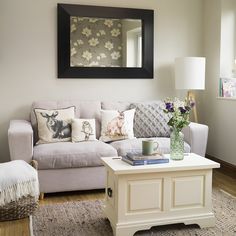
[[219, 114], [28, 56]]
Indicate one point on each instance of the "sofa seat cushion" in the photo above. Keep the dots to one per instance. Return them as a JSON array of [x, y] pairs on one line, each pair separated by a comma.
[[135, 144], [71, 155]]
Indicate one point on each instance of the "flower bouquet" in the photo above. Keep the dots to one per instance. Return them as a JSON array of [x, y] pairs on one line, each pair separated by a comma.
[[179, 118]]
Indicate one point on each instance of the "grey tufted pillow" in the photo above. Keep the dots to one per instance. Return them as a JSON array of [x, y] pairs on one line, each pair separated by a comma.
[[150, 120]]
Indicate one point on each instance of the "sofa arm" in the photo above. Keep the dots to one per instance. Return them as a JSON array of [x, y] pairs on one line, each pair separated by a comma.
[[196, 136], [20, 140]]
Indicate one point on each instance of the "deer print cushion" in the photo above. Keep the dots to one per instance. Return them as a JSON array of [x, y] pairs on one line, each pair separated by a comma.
[[83, 130], [54, 125], [117, 125]]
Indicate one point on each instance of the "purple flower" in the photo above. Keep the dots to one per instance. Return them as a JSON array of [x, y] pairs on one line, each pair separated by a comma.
[[192, 104], [182, 110], [169, 107]]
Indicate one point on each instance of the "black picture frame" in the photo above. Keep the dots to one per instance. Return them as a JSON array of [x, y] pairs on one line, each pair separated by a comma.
[[65, 11]]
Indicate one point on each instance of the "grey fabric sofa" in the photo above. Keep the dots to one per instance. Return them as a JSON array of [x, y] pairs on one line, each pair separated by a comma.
[[76, 166]]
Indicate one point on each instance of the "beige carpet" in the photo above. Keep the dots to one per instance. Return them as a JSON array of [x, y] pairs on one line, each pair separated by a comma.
[[85, 218]]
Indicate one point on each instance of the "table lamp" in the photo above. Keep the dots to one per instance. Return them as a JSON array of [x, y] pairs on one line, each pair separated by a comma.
[[190, 75]]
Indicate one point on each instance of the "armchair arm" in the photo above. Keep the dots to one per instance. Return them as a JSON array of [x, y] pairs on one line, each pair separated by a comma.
[[20, 140], [196, 136]]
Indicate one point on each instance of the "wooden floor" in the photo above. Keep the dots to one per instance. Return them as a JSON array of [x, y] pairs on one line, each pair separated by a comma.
[[21, 227]]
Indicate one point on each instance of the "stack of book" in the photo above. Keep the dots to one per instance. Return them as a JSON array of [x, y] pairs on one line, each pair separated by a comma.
[[136, 159]]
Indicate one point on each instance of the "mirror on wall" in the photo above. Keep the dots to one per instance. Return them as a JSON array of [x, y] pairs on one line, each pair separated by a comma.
[[104, 42]]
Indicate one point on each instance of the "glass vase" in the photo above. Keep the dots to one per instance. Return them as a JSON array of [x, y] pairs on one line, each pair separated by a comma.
[[176, 145]]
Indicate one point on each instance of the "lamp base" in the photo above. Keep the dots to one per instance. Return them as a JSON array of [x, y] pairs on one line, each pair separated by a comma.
[[191, 97]]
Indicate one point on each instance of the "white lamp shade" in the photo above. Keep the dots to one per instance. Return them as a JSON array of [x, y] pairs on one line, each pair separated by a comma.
[[190, 73]]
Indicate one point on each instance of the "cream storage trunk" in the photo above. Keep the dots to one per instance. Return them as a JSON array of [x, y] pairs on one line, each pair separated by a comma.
[[139, 197]]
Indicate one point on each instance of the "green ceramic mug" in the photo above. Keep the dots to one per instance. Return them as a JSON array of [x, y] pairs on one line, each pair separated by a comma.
[[149, 146]]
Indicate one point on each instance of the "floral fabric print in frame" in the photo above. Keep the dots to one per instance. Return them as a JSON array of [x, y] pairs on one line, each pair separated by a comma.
[[95, 42]]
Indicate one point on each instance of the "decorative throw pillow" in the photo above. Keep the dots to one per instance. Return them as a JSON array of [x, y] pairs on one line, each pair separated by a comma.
[[54, 125], [117, 125], [83, 130], [150, 120]]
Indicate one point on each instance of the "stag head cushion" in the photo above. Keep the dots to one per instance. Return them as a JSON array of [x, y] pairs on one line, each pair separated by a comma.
[[83, 130], [117, 125], [54, 125]]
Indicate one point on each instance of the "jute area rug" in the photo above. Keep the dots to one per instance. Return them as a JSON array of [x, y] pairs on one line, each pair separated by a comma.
[[85, 218]]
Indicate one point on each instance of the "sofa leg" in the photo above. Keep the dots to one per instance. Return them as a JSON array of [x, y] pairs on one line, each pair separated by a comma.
[[41, 196]]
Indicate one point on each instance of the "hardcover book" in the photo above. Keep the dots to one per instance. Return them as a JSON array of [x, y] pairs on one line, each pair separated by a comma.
[[140, 156], [149, 161]]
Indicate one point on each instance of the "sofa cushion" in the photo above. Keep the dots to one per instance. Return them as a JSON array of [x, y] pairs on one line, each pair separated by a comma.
[[72, 155], [117, 125], [150, 120], [83, 130], [54, 125], [83, 109], [129, 145]]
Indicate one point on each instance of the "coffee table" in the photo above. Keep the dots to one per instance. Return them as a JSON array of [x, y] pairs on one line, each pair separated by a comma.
[[139, 197]]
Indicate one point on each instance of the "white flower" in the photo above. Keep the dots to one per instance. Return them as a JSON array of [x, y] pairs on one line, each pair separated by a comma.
[[80, 41], [80, 18], [98, 57], [75, 44], [102, 32], [115, 32], [93, 42], [109, 45], [86, 31], [74, 19], [73, 64], [108, 23], [115, 55], [178, 103], [72, 52], [119, 25], [98, 34], [103, 55], [73, 28], [87, 55], [93, 20], [119, 48], [94, 63]]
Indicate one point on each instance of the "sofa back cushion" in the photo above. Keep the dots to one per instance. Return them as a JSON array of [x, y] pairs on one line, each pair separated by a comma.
[[150, 120], [119, 106], [84, 109], [54, 125]]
